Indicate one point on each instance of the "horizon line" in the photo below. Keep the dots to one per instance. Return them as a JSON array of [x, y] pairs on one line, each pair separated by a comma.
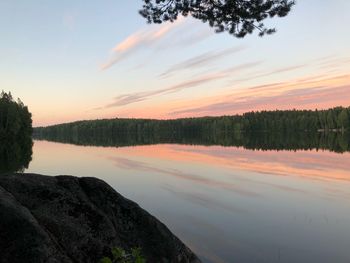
[[198, 117]]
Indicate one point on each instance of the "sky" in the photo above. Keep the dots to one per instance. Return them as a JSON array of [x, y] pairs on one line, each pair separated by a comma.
[[75, 60]]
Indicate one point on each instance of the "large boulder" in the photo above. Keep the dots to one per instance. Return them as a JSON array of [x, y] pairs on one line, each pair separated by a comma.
[[70, 219]]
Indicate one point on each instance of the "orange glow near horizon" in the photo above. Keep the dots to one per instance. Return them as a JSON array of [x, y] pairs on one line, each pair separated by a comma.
[[330, 166], [318, 93], [313, 165]]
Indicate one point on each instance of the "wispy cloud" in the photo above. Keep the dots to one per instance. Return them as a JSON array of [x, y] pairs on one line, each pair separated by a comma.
[[130, 98], [158, 37], [145, 37], [272, 72], [311, 97], [244, 66], [126, 99], [202, 60], [335, 62]]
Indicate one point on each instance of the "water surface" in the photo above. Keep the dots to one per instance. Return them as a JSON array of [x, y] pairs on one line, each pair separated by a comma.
[[228, 204]]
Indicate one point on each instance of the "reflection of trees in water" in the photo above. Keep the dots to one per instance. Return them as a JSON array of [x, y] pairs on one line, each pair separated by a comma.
[[14, 156], [266, 130], [332, 141]]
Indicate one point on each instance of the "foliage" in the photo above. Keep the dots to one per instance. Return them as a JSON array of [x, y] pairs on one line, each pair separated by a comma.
[[121, 256], [280, 130], [15, 118], [15, 134], [238, 17]]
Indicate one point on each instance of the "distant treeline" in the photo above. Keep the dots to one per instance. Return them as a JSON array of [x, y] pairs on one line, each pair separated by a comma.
[[291, 130], [15, 134]]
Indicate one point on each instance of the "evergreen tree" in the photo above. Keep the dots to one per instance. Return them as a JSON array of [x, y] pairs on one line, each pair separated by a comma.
[[236, 17], [343, 120], [15, 134]]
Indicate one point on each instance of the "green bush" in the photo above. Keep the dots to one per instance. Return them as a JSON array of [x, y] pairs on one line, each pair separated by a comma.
[[121, 256]]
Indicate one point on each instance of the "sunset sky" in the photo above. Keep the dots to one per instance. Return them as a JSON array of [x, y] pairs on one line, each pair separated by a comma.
[[72, 60]]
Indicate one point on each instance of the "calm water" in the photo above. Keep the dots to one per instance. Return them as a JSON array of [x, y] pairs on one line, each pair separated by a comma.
[[227, 204]]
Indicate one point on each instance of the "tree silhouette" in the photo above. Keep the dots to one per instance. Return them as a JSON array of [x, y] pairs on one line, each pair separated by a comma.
[[279, 130], [237, 17], [15, 134]]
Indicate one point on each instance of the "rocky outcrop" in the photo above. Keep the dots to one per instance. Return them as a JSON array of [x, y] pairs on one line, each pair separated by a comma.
[[70, 219]]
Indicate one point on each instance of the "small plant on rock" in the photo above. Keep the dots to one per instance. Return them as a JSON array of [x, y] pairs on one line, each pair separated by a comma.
[[121, 256]]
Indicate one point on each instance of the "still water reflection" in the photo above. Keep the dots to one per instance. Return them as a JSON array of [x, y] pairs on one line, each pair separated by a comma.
[[15, 156], [228, 204]]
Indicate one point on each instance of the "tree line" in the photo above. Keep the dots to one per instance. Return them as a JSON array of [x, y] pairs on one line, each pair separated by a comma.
[[15, 134], [291, 130], [15, 119]]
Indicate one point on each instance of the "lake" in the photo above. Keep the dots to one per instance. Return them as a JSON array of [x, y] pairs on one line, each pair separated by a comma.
[[228, 204]]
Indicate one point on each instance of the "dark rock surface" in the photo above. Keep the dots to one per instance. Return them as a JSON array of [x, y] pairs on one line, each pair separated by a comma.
[[70, 219]]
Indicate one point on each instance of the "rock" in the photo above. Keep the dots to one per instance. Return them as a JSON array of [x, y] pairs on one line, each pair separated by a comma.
[[70, 219]]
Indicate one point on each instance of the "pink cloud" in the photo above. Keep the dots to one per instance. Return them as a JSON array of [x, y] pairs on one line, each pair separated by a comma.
[[317, 91], [202, 60], [130, 98], [145, 37], [307, 98]]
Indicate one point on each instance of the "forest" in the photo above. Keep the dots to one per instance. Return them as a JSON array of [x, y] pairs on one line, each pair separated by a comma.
[[15, 134], [15, 119], [279, 130]]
